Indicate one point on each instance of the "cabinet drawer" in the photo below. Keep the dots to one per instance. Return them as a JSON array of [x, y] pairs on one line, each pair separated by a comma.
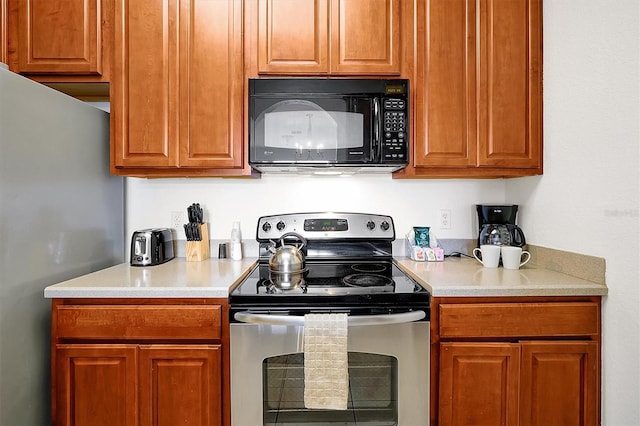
[[519, 319], [112, 322]]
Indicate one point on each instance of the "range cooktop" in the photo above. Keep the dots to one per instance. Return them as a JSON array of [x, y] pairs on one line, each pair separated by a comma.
[[348, 268], [335, 282]]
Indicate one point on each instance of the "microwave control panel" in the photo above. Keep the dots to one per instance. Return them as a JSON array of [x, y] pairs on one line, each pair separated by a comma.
[[394, 130]]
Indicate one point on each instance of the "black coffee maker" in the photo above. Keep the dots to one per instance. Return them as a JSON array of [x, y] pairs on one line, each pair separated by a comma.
[[498, 225]]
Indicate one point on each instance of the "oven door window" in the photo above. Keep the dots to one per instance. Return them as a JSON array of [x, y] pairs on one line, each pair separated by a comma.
[[373, 392], [312, 130]]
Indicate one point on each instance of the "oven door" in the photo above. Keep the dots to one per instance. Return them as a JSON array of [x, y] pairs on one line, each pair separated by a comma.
[[388, 374]]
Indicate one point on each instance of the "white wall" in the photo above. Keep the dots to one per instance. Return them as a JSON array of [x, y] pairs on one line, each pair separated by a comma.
[[587, 199], [413, 202], [586, 202]]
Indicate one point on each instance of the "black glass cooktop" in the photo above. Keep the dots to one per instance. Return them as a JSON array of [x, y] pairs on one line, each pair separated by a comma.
[[338, 283]]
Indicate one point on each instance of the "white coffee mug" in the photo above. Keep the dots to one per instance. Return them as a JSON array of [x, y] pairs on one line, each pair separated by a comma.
[[490, 255], [512, 257]]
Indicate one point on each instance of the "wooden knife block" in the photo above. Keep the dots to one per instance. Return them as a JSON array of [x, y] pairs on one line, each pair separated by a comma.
[[199, 250]]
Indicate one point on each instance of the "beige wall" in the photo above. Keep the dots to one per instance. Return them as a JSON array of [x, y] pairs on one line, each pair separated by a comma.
[[587, 200]]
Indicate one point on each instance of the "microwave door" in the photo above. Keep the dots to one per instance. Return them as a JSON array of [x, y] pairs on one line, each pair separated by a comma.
[[316, 130]]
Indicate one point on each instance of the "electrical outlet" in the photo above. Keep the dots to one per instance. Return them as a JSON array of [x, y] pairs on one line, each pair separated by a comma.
[[177, 220], [445, 219]]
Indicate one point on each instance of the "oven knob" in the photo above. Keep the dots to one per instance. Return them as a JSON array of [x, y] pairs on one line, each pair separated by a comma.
[[371, 225], [384, 225], [280, 225], [266, 227]]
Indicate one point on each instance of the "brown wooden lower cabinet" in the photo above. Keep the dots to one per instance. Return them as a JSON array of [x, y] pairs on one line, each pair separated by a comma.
[[180, 385], [122, 363], [559, 383], [515, 361], [96, 385], [479, 383]]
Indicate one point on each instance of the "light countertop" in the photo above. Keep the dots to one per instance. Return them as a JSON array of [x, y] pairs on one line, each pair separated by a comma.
[[210, 278], [467, 277], [213, 278]]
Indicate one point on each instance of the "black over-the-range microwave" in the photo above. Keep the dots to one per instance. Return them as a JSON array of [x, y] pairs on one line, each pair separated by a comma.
[[326, 125]]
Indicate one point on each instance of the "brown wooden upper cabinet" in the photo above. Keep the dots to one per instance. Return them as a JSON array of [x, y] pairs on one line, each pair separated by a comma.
[[60, 40], [176, 93], [178, 72], [330, 37], [478, 89]]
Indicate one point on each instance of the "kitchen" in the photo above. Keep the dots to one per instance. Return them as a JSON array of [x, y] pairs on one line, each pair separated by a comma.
[[590, 99], [586, 202]]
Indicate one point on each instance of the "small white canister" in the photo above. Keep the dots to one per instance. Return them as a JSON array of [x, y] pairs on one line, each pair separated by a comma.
[[235, 247]]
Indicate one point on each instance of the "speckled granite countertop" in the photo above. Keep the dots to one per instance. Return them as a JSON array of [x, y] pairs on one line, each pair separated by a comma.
[[467, 277], [213, 278], [210, 278]]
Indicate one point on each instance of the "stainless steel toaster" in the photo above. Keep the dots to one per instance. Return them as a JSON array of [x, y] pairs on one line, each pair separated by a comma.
[[152, 247]]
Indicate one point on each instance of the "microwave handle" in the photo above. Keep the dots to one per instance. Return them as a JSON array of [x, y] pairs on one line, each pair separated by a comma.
[[375, 145]]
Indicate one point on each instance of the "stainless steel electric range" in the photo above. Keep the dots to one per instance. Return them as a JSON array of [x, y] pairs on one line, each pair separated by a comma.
[[349, 269]]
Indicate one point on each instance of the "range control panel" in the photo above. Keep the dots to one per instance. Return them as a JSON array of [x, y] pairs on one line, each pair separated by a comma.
[[327, 226]]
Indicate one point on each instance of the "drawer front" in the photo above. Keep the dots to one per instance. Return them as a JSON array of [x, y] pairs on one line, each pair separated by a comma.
[[519, 319], [112, 322]]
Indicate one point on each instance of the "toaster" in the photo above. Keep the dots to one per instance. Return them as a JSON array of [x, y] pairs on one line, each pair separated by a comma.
[[151, 247]]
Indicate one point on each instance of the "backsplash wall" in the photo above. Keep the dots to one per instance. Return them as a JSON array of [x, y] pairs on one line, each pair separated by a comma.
[[410, 202]]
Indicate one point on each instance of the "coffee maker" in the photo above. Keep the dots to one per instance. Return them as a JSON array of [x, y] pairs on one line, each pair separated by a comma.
[[497, 225]]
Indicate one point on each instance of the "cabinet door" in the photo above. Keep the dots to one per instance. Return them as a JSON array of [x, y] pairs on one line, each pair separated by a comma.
[[144, 108], [59, 37], [445, 107], [177, 90], [4, 31], [95, 385], [479, 383], [510, 92], [319, 37], [210, 91], [293, 36], [559, 382], [365, 37], [180, 385]]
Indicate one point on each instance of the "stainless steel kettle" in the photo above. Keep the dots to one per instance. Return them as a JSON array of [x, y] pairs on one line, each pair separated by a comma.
[[286, 264]]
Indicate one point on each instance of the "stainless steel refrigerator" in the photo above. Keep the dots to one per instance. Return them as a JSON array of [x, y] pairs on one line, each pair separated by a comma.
[[61, 216]]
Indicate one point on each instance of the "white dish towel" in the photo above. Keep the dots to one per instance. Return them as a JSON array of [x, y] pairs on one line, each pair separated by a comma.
[[326, 374]]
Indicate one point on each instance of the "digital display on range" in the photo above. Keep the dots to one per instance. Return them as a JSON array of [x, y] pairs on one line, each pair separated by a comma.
[[321, 225]]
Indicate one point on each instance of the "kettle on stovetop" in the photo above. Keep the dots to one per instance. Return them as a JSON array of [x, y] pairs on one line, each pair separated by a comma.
[[498, 225], [287, 263]]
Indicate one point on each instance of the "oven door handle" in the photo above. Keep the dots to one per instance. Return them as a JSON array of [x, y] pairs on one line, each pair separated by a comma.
[[267, 319]]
